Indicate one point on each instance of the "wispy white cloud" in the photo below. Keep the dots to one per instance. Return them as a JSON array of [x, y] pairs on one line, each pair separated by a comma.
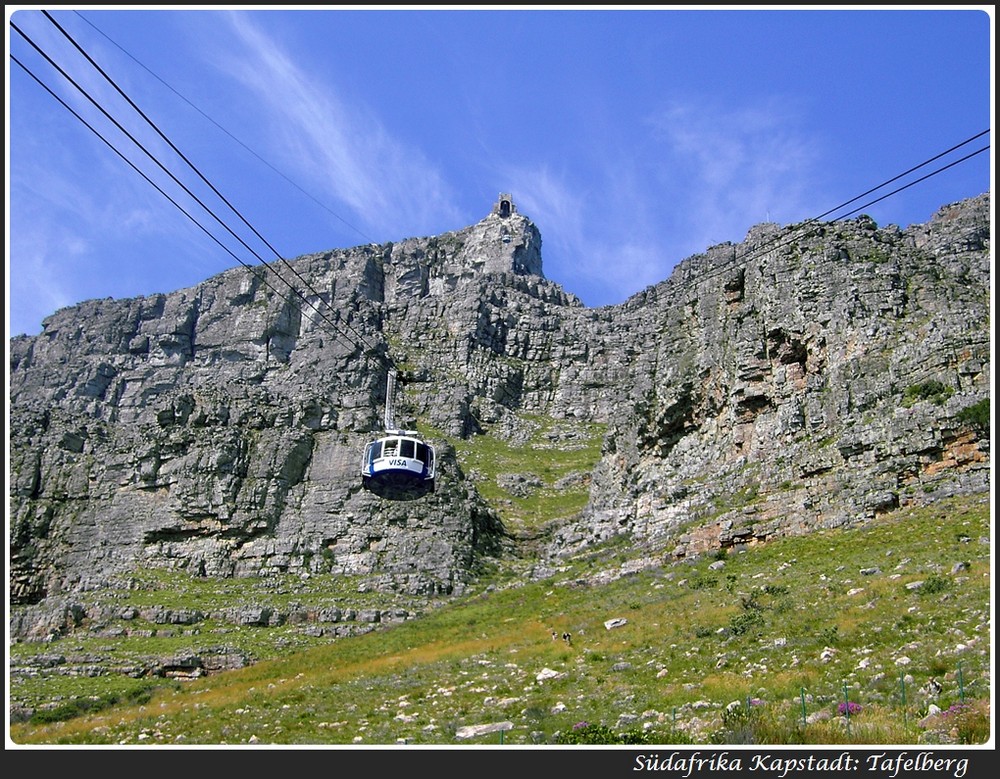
[[575, 225], [41, 284], [741, 166], [344, 150], [45, 249], [81, 225], [699, 176]]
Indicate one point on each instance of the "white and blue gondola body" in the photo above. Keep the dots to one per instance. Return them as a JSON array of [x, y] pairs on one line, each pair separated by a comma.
[[398, 457]]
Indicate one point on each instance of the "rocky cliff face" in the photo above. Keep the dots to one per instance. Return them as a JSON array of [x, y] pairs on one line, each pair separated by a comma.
[[811, 376]]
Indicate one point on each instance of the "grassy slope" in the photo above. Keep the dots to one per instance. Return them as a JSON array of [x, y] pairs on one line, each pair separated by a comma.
[[787, 630]]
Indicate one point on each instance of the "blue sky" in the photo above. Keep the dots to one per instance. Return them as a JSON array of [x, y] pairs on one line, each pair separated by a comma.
[[633, 138]]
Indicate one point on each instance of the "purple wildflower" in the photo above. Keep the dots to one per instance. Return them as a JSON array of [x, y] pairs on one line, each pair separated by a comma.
[[849, 708]]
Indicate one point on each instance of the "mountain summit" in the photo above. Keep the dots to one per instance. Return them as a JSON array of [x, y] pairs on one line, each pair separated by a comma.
[[812, 376]]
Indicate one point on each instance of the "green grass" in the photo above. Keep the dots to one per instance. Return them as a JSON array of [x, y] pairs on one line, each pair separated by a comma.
[[545, 457], [934, 391], [784, 630]]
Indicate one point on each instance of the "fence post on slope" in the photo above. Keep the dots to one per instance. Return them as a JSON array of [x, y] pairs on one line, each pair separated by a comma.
[[847, 709], [902, 693]]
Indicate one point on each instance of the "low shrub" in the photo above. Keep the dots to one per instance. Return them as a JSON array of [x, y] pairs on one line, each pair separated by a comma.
[[586, 733]]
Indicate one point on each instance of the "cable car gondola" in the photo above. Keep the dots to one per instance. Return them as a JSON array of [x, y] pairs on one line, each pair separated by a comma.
[[398, 457]]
